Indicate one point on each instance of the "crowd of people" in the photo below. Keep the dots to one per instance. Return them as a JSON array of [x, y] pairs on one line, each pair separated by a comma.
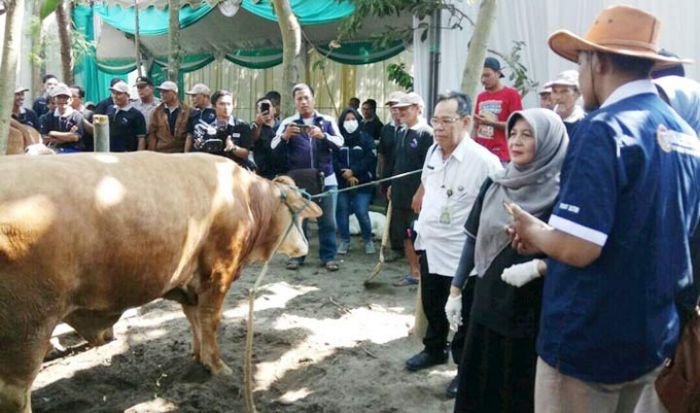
[[556, 241]]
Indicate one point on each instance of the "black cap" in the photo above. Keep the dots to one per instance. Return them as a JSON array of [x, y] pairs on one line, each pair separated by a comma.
[[144, 79], [676, 70], [494, 64]]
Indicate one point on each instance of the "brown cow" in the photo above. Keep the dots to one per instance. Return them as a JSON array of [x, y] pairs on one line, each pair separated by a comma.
[[86, 236], [20, 137]]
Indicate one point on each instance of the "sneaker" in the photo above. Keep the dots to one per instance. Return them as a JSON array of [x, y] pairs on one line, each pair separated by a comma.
[[343, 247], [369, 247]]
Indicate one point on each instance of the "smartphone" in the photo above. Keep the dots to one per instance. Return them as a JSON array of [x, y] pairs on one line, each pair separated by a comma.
[[264, 107]]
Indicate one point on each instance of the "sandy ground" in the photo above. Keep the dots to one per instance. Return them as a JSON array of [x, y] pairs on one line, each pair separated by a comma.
[[323, 343]]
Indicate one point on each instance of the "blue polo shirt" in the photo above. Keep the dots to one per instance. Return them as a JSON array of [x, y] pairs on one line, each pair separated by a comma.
[[630, 185]]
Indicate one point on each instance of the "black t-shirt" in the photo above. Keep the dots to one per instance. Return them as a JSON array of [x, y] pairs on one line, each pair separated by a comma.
[[29, 118], [268, 162], [508, 310], [104, 106], [65, 124], [40, 106], [411, 147], [373, 128], [240, 135], [125, 126]]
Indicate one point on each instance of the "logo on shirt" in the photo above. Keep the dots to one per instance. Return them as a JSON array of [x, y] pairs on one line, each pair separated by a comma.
[[670, 140]]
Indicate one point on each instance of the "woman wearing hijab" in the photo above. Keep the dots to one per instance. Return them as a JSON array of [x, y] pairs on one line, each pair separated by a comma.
[[355, 163], [497, 372]]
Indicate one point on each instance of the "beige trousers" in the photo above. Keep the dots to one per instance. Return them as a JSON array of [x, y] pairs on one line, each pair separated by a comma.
[[558, 393]]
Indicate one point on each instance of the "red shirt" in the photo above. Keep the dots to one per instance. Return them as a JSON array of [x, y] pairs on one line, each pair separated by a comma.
[[501, 104]]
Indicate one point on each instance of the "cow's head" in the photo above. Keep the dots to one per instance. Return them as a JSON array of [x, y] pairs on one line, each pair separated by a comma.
[[293, 210]]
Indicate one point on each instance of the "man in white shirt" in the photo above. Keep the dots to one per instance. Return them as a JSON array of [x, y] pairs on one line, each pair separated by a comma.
[[454, 170]]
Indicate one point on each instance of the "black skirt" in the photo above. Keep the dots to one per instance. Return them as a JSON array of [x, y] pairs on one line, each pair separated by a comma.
[[497, 373]]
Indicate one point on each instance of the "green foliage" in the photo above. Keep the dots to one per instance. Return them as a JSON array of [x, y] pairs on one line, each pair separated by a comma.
[[519, 75], [48, 7], [398, 74]]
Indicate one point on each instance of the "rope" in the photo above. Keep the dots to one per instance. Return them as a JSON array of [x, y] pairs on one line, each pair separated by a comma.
[[371, 183], [248, 357]]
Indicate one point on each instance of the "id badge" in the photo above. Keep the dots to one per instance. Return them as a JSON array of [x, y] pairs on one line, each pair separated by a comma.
[[445, 217]]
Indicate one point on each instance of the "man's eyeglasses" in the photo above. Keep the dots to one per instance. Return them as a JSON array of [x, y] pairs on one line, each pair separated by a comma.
[[443, 121]]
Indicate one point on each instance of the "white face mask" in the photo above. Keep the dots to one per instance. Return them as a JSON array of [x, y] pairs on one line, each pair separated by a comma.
[[351, 125]]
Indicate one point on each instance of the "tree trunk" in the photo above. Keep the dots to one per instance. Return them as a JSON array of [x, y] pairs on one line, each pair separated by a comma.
[[291, 46], [174, 40], [64, 19], [477, 48], [37, 40], [14, 17], [137, 38]]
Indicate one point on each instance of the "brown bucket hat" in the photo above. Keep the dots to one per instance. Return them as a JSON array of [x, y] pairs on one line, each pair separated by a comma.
[[621, 30]]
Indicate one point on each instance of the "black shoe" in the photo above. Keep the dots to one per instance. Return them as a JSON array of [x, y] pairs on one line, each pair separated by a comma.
[[423, 360], [452, 388]]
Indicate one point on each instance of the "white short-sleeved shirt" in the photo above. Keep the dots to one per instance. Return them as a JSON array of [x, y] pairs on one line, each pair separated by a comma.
[[451, 186]]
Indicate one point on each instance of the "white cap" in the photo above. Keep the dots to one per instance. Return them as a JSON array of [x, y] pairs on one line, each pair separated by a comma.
[[120, 87], [199, 89], [546, 88], [21, 90], [394, 98], [409, 99], [60, 89], [566, 78], [168, 85]]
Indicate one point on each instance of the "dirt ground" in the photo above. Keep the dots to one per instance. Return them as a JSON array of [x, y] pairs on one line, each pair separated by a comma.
[[323, 343]]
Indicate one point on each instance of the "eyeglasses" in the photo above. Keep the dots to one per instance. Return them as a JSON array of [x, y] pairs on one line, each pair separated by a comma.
[[443, 121]]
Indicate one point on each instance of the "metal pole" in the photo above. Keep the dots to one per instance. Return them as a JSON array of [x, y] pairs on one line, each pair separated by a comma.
[[101, 125], [137, 38]]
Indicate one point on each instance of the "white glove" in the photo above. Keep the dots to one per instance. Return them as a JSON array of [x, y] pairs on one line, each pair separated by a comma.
[[520, 274], [453, 311]]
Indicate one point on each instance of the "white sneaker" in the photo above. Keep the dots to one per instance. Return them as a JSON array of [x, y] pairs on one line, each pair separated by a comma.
[[343, 247], [369, 248]]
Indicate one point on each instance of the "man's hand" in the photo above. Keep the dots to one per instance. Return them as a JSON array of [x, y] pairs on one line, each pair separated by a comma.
[[229, 145], [316, 132], [521, 228], [352, 181], [388, 193], [346, 173], [417, 201], [291, 131], [261, 118]]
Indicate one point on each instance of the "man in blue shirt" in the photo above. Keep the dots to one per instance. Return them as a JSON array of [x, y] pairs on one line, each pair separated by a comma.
[[619, 236], [309, 139]]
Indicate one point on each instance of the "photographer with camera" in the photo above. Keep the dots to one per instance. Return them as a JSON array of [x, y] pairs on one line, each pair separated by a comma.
[[263, 131], [309, 140], [226, 135]]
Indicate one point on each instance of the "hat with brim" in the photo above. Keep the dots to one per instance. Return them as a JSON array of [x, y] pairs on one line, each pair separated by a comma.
[[619, 30], [21, 90], [409, 99]]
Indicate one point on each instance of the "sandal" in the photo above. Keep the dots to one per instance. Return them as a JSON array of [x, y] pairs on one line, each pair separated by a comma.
[[406, 281], [331, 266]]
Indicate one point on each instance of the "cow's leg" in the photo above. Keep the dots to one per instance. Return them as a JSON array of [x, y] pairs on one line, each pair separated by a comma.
[[20, 361], [191, 311], [95, 327], [209, 309]]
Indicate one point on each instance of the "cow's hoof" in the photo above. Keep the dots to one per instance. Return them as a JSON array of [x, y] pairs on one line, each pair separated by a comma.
[[221, 370]]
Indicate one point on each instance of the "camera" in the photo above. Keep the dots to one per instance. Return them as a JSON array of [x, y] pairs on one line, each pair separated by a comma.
[[209, 139], [264, 107]]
